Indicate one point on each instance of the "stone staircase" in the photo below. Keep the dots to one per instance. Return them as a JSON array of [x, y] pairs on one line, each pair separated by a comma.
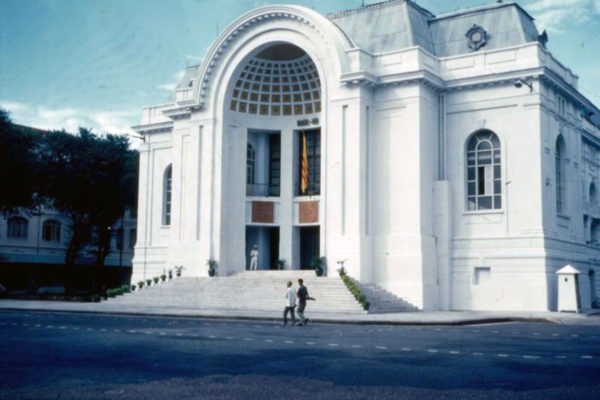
[[249, 290], [383, 301]]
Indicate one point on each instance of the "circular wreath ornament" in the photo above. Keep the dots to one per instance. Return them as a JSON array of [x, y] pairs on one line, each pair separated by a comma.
[[477, 37]]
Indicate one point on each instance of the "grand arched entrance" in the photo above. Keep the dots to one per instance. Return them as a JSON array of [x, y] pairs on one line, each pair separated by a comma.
[[273, 108]]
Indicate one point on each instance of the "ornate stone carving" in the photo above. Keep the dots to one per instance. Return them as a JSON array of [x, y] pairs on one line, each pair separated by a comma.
[[477, 37]]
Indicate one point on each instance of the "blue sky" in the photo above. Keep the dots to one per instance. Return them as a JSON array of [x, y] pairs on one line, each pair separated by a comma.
[[96, 63]]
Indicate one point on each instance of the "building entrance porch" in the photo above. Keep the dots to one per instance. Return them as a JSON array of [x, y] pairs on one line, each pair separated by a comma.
[[267, 241]]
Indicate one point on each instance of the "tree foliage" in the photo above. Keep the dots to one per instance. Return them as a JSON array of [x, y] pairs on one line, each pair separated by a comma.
[[88, 178], [19, 167], [92, 180]]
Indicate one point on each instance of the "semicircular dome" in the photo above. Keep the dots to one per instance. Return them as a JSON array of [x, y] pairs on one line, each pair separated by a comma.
[[281, 80]]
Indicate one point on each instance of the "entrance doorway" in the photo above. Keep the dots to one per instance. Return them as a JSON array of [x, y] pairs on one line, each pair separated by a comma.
[[267, 240], [309, 246]]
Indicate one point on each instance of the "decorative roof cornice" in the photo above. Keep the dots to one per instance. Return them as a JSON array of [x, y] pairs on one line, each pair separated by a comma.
[[159, 127]]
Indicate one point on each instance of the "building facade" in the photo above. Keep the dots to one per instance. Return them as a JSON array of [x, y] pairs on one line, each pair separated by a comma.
[[449, 159], [42, 237]]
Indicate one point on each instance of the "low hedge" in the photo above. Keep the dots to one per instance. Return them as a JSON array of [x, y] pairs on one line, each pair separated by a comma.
[[355, 290]]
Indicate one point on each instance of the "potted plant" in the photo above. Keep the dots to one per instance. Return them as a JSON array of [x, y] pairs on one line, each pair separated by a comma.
[[178, 270], [280, 264], [170, 274], [156, 279], [133, 288], [141, 284], [163, 277], [148, 282], [318, 264], [212, 266]]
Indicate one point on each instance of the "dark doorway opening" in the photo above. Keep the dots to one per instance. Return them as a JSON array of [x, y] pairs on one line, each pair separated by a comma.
[[309, 246], [274, 247]]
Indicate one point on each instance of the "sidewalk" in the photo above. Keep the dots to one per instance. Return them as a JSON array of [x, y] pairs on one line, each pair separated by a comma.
[[405, 318]]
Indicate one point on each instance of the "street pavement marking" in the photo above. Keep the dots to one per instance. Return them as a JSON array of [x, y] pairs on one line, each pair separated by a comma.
[[432, 351], [356, 346], [102, 330], [49, 326], [75, 328], [477, 354], [586, 357], [574, 335], [268, 341], [37, 325], [405, 349], [25, 324], [381, 347], [310, 342], [333, 344], [179, 334], [454, 352], [229, 338], [536, 334], [131, 331], [495, 332], [555, 334], [531, 357], [289, 341], [561, 357], [248, 339], [63, 327], [212, 336], [503, 355], [116, 330]]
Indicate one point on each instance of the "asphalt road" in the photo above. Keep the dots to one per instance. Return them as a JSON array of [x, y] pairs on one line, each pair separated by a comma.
[[84, 356]]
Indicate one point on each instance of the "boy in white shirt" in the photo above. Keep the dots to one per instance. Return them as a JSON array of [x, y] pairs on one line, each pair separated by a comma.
[[290, 304]]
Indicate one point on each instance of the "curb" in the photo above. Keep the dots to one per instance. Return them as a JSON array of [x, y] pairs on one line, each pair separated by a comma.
[[320, 320]]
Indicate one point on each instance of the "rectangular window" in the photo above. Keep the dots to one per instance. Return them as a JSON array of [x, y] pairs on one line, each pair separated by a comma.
[[313, 152], [119, 242], [274, 164]]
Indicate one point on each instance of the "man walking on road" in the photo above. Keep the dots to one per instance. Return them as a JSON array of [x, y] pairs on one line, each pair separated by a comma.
[[302, 294], [290, 303]]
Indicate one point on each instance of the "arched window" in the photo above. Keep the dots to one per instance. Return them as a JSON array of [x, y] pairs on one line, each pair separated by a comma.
[[17, 228], [593, 195], [51, 231], [484, 179], [250, 158], [559, 161], [167, 177]]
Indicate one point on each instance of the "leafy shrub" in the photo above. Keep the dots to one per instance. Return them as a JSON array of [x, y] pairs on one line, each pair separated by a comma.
[[95, 298], [110, 292], [354, 289], [212, 266], [125, 288]]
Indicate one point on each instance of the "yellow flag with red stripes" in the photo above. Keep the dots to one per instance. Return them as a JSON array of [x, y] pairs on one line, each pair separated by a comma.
[[304, 166]]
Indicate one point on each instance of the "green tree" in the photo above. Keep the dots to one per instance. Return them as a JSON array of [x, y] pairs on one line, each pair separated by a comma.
[[91, 180], [19, 166]]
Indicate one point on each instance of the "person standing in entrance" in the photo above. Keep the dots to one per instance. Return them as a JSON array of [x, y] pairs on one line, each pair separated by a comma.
[[254, 258], [302, 294], [290, 304]]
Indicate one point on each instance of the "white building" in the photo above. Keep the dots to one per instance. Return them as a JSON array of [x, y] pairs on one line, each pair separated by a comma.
[[42, 237], [450, 159]]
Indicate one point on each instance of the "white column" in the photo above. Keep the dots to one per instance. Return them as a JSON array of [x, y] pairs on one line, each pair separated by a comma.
[[286, 212]]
